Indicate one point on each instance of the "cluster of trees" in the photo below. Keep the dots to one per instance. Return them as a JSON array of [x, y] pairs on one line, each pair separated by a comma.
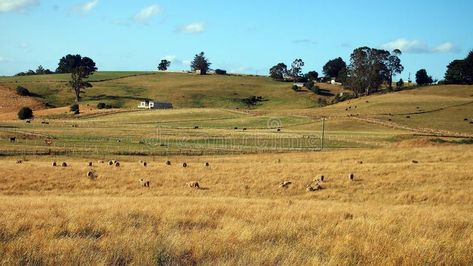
[[460, 71], [422, 78], [280, 72], [370, 67], [39, 71], [337, 69]]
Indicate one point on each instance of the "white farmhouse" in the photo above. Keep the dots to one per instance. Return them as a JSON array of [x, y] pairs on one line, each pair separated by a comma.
[[154, 105]]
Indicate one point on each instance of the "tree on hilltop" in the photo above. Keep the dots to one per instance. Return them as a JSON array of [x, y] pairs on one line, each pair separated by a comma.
[[201, 63]]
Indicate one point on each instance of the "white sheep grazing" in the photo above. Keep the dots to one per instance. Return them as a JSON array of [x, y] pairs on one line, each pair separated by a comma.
[[144, 183]]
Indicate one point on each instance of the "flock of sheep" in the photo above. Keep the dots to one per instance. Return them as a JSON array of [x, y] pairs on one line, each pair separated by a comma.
[[315, 185]]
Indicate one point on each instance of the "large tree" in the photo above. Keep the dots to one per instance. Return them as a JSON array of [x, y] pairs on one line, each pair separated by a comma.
[[367, 70], [333, 68], [394, 66], [296, 69], [460, 71], [201, 63], [312, 75], [278, 71], [422, 78], [80, 68], [163, 65]]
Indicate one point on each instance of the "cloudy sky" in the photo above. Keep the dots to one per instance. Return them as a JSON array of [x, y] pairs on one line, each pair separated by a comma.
[[247, 36]]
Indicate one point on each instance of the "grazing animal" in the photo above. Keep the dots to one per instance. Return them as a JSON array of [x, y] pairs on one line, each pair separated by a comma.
[[196, 127], [408, 116], [28, 121], [193, 184], [390, 119], [101, 161], [144, 183], [184, 165], [313, 187], [319, 178], [90, 174], [141, 161], [89, 164], [244, 129], [168, 163], [119, 141], [207, 164], [466, 119], [64, 164], [285, 184], [359, 162], [12, 139], [236, 128], [44, 123], [415, 161], [117, 164], [110, 162], [19, 161], [54, 164], [145, 164], [351, 176]]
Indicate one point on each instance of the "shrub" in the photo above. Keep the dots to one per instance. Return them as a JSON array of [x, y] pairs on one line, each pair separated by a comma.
[[220, 72], [104, 106], [75, 108], [22, 91], [315, 89], [25, 113]]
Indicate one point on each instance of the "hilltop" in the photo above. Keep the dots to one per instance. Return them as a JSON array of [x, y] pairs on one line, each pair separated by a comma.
[[184, 90]]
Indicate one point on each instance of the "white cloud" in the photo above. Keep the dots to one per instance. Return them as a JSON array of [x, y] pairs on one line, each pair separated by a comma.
[[147, 13], [418, 47], [171, 58], [186, 62], [16, 5], [196, 27], [88, 6], [446, 47], [4, 60]]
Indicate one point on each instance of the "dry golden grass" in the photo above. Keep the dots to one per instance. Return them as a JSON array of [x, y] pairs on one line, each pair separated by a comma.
[[395, 212]]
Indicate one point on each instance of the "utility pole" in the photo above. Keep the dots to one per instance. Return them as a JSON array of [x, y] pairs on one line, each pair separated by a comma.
[[323, 134]]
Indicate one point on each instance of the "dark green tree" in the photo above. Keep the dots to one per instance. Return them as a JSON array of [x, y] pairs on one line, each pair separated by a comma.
[[201, 63], [164, 65], [312, 75], [460, 71], [25, 113], [367, 70], [333, 68], [394, 66], [80, 68], [278, 71], [422, 78], [296, 69]]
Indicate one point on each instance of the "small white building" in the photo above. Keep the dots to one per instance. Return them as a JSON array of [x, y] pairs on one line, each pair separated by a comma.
[[154, 105]]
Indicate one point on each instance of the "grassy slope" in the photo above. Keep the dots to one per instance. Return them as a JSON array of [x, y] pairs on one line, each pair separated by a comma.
[[183, 90]]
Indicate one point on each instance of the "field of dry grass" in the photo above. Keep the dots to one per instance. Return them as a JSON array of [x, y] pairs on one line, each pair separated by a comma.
[[395, 212]]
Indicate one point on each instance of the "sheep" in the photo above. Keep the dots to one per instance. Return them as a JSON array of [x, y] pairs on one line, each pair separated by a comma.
[[235, 128], [28, 121], [90, 164], [408, 116], [90, 175], [12, 139], [279, 130], [244, 129], [285, 184], [415, 161], [110, 162], [196, 127], [144, 183], [351, 176], [19, 161], [168, 162], [207, 164], [64, 164], [100, 161], [184, 165], [117, 164], [465, 119], [145, 164], [193, 184], [54, 164], [359, 162], [313, 187]]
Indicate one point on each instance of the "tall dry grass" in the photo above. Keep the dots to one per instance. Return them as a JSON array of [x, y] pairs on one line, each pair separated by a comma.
[[396, 212]]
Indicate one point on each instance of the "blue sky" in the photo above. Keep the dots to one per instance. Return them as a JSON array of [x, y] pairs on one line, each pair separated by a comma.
[[247, 36]]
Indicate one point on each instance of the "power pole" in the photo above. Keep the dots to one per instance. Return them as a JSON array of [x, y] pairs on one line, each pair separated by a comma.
[[323, 134]]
